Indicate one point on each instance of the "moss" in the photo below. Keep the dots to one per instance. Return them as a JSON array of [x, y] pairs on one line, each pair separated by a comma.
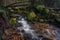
[[58, 19], [41, 20], [11, 10], [40, 7], [17, 7], [46, 10], [31, 15], [13, 21], [2, 11]]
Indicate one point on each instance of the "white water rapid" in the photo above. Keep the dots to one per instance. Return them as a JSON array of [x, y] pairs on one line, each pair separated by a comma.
[[27, 29]]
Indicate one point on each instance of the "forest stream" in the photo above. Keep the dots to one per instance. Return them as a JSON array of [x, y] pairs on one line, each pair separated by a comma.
[[26, 29]]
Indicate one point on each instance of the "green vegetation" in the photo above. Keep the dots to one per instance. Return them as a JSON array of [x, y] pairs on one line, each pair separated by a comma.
[[58, 19], [13, 21], [41, 20], [42, 15], [40, 7], [2, 11], [46, 10], [31, 15]]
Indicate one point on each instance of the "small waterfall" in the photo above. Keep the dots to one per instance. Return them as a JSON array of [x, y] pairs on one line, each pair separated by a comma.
[[25, 27]]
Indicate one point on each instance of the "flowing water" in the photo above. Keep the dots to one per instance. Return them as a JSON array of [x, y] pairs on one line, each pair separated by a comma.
[[25, 28]]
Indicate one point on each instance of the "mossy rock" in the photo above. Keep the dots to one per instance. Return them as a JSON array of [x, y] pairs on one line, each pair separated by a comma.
[[31, 15], [13, 21]]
